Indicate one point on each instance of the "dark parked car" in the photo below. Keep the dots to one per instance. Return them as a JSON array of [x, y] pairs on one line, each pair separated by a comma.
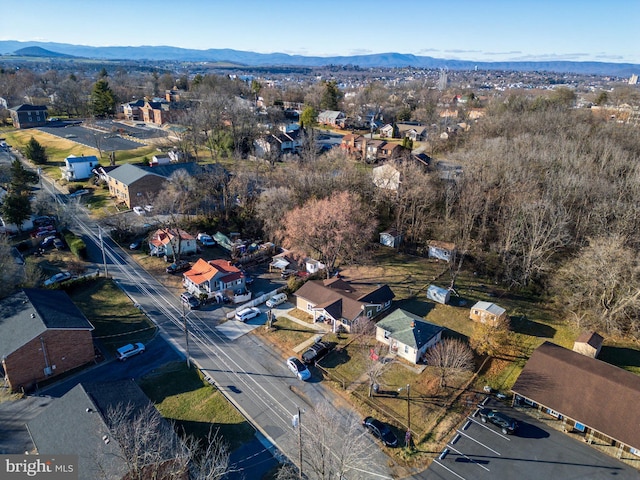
[[507, 424], [190, 300], [381, 430], [315, 352], [59, 244], [47, 242], [179, 266]]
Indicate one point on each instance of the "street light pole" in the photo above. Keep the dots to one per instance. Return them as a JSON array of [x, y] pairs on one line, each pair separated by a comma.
[[407, 437], [297, 423]]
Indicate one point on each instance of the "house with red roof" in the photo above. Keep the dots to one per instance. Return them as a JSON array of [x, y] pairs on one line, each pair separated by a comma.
[[212, 278], [166, 241]]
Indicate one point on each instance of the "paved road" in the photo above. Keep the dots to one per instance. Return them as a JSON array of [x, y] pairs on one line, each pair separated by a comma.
[[249, 373]]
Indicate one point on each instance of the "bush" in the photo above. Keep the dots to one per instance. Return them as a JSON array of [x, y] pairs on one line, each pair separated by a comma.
[[76, 244]]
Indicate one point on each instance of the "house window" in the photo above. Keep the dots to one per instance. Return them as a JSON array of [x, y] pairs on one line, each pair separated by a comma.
[[369, 313], [378, 307], [475, 312], [309, 307], [406, 349], [634, 451], [553, 413], [386, 334]]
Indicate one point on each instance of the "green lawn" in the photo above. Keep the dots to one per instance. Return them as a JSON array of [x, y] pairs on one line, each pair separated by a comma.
[[116, 320], [196, 407], [286, 334]]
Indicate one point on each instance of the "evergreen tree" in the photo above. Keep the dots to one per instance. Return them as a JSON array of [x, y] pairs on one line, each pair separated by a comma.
[[308, 117], [331, 96], [21, 178], [16, 208], [103, 101], [35, 152]]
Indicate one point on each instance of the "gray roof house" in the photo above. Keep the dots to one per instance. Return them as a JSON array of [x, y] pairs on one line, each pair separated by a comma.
[[27, 116], [408, 335], [42, 334], [81, 423]]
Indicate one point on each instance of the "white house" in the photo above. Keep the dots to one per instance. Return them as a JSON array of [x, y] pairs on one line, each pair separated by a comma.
[[79, 168], [165, 241], [407, 335], [212, 278], [159, 160]]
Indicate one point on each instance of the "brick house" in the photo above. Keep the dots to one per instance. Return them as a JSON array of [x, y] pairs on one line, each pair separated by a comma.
[[42, 334], [27, 116], [341, 302], [133, 185]]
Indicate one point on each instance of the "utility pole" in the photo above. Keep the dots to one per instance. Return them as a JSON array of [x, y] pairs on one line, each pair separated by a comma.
[[104, 257], [408, 439], [296, 421]]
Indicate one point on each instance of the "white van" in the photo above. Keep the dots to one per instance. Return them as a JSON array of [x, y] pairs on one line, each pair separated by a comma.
[[247, 314], [277, 300]]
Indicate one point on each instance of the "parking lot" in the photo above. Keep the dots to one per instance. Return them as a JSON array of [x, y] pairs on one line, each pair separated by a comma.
[[107, 135], [481, 451]]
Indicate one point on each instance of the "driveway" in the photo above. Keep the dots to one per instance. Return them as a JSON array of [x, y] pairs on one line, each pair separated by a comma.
[[480, 451]]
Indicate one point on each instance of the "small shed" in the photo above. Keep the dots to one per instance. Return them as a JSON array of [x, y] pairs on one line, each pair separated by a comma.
[[442, 250], [589, 344], [489, 313], [438, 294], [391, 238]]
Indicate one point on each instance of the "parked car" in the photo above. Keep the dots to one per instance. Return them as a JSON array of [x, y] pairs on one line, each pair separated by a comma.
[[299, 368], [47, 242], [148, 208], [248, 279], [58, 244], [135, 245], [129, 351], [247, 314], [287, 273], [206, 239], [507, 424], [78, 193], [190, 300], [381, 430], [315, 352], [138, 210], [277, 299], [179, 266], [57, 278]]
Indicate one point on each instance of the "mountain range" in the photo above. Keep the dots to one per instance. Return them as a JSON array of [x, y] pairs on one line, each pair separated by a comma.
[[382, 60]]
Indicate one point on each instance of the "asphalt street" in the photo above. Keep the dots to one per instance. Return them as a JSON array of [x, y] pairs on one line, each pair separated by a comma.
[[253, 377]]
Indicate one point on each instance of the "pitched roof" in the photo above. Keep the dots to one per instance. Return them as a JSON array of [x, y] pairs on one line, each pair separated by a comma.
[[31, 312], [81, 159], [163, 236], [25, 107], [408, 328], [167, 170], [489, 307], [587, 390], [343, 298], [78, 423], [203, 271], [593, 339], [128, 173]]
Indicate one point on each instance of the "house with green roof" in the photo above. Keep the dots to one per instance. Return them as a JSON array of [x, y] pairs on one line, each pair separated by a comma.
[[408, 335]]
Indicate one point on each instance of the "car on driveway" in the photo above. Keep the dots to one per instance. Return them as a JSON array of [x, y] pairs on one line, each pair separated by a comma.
[[179, 266], [299, 368], [247, 314], [138, 210], [59, 244], [135, 245], [57, 278], [206, 239], [381, 430], [315, 352], [190, 300], [48, 241], [506, 424], [129, 351]]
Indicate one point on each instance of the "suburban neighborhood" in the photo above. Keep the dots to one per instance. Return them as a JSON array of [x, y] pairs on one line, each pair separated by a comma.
[[259, 273]]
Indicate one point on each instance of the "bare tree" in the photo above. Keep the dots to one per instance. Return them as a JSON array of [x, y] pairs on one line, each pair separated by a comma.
[[490, 339], [335, 229], [334, 445], [271, 208], [450, 357], [8, 269]]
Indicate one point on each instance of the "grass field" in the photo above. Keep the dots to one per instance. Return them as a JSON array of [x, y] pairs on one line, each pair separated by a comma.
[[196, 407], [116, 320], [287, 334]]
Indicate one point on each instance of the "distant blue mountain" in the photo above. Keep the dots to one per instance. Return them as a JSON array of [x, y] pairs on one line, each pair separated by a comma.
[[389, 60]]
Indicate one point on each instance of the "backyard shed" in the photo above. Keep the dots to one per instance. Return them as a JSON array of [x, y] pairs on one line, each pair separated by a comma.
[[438, 294]]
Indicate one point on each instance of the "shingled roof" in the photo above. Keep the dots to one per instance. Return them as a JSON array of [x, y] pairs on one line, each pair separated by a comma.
[[589, 391], [31, 312], [408, 328]]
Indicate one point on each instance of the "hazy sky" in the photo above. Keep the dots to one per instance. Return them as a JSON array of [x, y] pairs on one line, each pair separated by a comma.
[[480, 30]]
